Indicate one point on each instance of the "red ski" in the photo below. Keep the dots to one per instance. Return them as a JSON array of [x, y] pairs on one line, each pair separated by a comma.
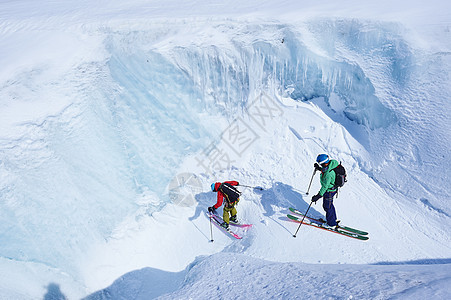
[[217, 220]]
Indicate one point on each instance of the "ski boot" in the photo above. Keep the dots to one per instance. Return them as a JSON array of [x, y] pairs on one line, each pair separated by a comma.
[[333, 227], [234, 219], [225, 225]]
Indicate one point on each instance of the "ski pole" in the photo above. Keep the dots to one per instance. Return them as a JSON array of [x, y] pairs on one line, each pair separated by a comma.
[[303, 219], [310, 184], [211, 231], [252, 187]]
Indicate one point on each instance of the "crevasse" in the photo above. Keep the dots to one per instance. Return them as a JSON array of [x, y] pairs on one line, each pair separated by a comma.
[[87, 168]]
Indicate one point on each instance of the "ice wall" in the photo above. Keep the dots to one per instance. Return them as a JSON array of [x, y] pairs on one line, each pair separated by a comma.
[[156, 114], [281, 57]]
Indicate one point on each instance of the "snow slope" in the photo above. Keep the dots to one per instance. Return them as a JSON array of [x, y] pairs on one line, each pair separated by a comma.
[[107, 109], [298, 280]]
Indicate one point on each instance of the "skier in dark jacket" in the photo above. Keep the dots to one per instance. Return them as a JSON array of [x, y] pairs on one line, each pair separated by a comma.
[[230, 201], [328, 188]]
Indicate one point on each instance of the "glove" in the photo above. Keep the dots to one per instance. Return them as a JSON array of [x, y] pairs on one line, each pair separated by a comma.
[[317, 167], [212, 210], [316, 198]]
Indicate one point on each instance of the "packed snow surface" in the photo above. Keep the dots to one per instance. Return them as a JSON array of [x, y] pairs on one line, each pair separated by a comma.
[[116, 117]]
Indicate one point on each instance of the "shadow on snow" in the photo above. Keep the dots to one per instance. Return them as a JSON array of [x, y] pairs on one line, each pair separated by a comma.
[[146, 283]]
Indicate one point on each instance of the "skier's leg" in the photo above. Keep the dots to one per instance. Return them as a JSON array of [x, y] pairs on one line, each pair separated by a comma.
[[225, 214], [233, 212], [328, 205], [233, 215]]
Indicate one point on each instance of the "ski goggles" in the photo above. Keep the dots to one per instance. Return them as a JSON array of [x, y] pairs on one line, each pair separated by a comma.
[[324, 165]]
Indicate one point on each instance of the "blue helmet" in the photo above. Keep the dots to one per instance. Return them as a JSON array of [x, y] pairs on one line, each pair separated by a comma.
[[322, 159], [213, 187]]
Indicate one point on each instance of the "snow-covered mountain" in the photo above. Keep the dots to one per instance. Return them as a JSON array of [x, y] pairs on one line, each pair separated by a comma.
[[116, 117]]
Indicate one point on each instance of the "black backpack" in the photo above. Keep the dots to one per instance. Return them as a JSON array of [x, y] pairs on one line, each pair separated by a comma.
[[340, 176], [231, 193]]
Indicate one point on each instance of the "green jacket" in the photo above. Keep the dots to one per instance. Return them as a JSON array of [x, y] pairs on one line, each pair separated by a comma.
[[328, 178]]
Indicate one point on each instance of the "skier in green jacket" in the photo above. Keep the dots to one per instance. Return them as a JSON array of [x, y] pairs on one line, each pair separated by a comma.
[[328, 188]]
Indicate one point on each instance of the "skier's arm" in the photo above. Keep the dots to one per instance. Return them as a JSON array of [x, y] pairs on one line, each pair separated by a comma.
[[322, 190], [219, 201], [233, 182]]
